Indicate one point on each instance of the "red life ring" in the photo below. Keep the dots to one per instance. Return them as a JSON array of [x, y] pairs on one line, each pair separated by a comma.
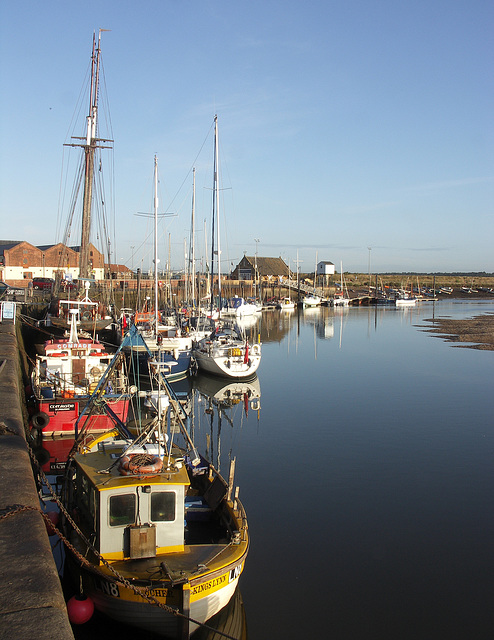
[[139, 463]]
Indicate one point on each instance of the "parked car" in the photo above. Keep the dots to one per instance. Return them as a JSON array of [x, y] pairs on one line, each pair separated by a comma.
[[43, 283]]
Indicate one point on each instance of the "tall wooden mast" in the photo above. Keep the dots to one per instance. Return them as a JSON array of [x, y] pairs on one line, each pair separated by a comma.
[[89, 150], [90, 144]]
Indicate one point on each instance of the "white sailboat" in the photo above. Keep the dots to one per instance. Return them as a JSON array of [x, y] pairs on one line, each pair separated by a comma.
[[312, 299], [286, 304], [171, 350], [406, 298], [225, 352], [341, 300], [238, 307]]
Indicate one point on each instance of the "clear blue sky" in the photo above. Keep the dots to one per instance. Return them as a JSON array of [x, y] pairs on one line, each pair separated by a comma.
[[344, 125]]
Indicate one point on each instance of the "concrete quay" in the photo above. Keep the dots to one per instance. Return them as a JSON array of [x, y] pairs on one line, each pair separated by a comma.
[[31, 600]]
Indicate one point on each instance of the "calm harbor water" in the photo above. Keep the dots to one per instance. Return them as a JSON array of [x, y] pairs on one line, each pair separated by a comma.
[[366, 469]]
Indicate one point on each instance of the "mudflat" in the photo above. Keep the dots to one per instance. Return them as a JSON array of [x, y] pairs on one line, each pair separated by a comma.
[[478, 331]]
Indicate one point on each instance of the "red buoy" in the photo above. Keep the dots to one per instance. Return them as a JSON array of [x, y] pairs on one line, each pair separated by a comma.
[[80, 609], [54, 517]]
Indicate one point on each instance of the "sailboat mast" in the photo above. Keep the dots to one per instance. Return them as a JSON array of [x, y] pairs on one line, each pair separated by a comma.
[[89, 150], [156, 245], [90, 143], [215, 221], [216, 192], [315, 275], [192, 240]]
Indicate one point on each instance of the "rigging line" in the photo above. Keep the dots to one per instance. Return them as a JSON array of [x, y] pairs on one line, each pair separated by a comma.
[[60, 192], [70, 218], [101, 202], [104, 98], [64, 179], [76, 116], [192, 166]]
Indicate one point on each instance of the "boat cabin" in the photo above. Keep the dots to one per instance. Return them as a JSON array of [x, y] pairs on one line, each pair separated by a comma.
[[72, 367], [132, 516]]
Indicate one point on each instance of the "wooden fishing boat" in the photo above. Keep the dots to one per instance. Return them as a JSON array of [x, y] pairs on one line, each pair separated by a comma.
[[64, 378], [159, 539]]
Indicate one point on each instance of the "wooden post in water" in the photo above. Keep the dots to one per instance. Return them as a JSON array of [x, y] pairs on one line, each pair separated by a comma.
[[230, 479], [185, 623]]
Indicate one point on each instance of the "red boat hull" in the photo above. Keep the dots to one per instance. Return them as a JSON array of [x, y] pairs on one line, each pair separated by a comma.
[[57, 416]]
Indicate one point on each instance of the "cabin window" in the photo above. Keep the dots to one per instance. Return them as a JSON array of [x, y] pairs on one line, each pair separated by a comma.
[[163, 506], [122, 509]]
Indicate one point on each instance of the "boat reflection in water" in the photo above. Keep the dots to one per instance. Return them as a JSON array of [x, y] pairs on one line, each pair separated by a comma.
[[231, 621], [229, 393], [224, 399]]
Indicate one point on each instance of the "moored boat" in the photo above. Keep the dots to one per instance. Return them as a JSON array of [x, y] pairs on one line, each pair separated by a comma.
[[286, 304], [238, 307], [227, 353], [90, 315], [64, 378], [312, 300], [406, 301], [162, 536]]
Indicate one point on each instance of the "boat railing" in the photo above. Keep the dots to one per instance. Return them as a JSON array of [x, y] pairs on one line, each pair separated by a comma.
[[69, 384]]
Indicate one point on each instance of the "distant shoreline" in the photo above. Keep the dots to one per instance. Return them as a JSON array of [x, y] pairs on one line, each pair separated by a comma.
[[479, 331]]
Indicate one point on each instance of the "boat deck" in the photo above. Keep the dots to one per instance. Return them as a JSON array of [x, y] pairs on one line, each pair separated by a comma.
[[195, 559]]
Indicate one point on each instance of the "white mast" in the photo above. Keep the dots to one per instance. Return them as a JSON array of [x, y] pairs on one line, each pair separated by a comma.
[[217, 207], [315, 275], [156, 261], [192, 256], [215, 220]]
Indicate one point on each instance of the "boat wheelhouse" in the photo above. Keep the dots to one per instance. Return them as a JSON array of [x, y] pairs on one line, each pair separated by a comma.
[[169, 536]]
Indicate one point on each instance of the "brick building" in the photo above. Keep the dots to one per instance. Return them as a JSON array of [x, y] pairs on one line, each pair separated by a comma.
[[21, 260]]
